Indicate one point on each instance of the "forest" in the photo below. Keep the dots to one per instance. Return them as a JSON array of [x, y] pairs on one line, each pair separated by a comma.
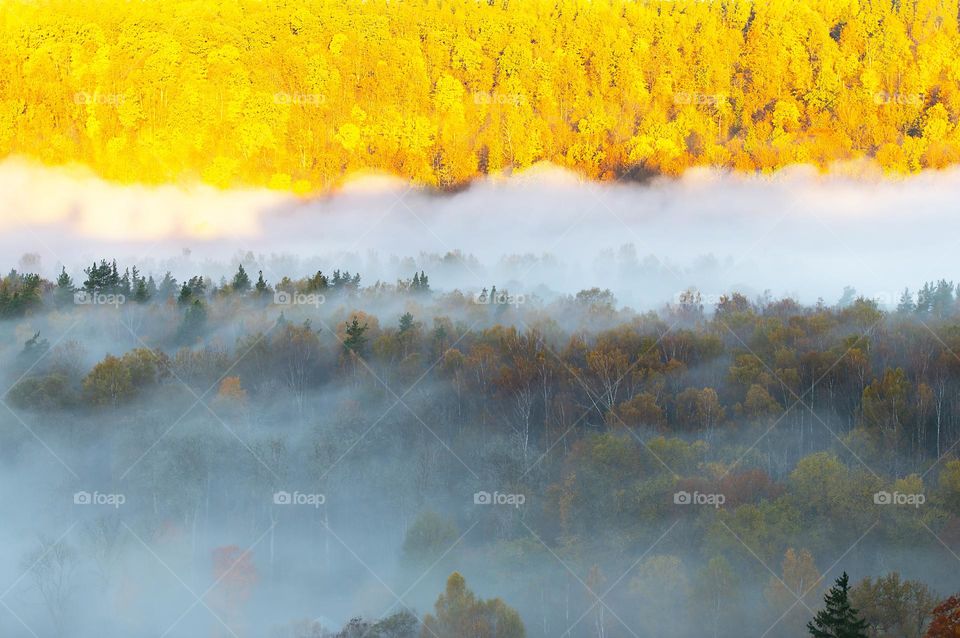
[[300, 95], [385, 459]]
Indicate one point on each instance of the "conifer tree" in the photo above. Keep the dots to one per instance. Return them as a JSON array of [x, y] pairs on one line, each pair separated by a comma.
[[356, 338], [140, 292], [241, 281], [65, 288], [261, 286], [906, 305], [838, 619]]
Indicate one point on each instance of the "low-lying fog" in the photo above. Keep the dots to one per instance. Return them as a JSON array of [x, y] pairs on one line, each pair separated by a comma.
[[795, 233]]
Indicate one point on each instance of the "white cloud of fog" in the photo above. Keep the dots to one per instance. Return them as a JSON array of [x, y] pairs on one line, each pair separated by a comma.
[[796, 232]]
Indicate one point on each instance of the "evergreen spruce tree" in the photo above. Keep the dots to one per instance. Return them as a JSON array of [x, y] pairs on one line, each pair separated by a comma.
[[356, 338], [925, 299], [141, 294], [113, 278], [906, 305], [406, 322], [186, 294], [194, 323], [241, 281], [125, 285], [318, 282], [65, 288], [151, 287], [261, 286], [168, 287], [838, 619], [33, 349]]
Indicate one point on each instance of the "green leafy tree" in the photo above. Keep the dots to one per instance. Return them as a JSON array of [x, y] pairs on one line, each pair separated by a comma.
[[458, 613], [894, 607]]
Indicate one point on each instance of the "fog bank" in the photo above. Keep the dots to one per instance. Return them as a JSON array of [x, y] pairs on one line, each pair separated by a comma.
[[796, 232]]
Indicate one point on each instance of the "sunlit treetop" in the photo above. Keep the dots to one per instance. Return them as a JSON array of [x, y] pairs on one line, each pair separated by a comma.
[[298, 94]]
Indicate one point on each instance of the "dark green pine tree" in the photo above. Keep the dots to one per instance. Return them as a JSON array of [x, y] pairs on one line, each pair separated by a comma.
[[141, 294], [406, 323], [318, 282], [125, 286], [65, 288], [261, 286], [838, 619], [34, 349], [241, 281], [186, 295], [906, 305], [356, 338], [194, 323], [168, 287]]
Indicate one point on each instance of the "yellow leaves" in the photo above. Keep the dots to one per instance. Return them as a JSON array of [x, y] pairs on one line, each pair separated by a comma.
[[358, 115], [220, 172], [467, 55], [129, 112], [786, 115], [92, 128], [349, 136], [640, 148], [449, 94], [336, 44], [937, 123], [280, 182], [243, 92]]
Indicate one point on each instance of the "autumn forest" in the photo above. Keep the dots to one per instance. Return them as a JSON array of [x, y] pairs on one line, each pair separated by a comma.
[[479, 319], [297, 96], [737, 453]]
